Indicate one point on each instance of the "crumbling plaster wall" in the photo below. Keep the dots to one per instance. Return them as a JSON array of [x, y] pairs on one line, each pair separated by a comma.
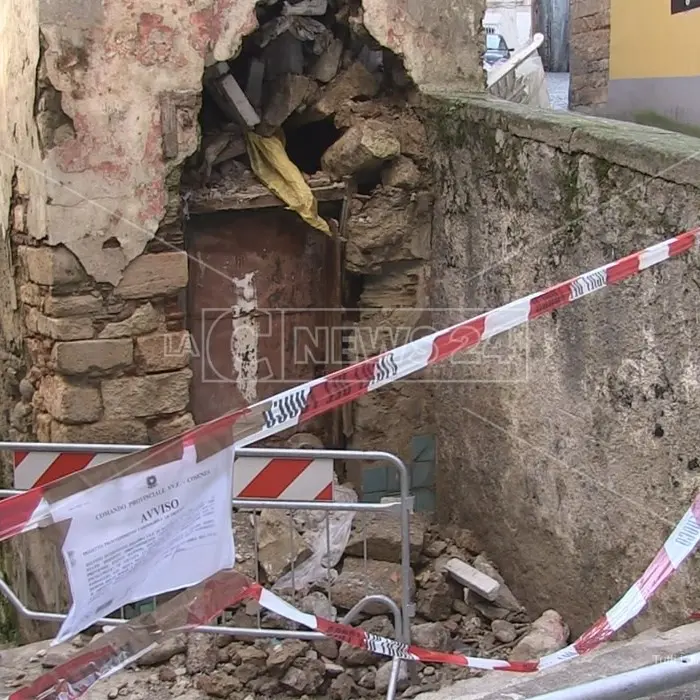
[[102, 102], [575, 474]]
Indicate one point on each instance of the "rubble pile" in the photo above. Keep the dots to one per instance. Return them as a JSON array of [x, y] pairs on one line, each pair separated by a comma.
[[462, 605], [312, 73]]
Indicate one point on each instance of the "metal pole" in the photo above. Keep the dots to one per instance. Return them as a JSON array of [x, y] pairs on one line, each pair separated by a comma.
[[639, 683]]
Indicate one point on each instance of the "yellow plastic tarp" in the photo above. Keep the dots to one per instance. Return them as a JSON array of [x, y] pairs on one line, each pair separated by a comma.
[[272, 166]]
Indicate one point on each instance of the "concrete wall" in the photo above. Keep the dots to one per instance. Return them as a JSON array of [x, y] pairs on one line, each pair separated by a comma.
[[574, 471], [655, 60], [589, 54]]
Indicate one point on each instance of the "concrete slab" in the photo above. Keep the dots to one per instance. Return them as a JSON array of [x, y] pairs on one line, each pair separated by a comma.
[[613, 658]]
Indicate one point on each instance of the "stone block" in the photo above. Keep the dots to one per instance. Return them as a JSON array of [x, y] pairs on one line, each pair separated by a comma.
[[361, 148], [122, 432], [59, 328], [401, 172], [473, 579], [286, 94], [327, 64], [83, 356], [152, 395], [51, 265], [280, 546], [145, 319], [30, 294], [352, 83], [163, 352], [71, 404], [154, 274], [383, 534], [78, 305], [162, 430], [358, 579]]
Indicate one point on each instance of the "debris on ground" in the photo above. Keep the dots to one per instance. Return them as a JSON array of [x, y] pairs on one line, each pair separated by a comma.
[[450, 616]]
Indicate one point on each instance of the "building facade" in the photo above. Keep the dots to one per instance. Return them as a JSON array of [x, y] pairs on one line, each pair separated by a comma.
[[510, 18], [637, 60]]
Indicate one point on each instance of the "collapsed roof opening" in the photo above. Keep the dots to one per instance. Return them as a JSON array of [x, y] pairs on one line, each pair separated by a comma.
[[308, 87]]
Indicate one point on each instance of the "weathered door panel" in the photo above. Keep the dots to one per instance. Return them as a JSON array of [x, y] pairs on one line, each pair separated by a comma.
[[258, 284]]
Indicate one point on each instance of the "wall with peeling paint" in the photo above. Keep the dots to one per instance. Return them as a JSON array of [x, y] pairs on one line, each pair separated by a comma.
[[102, 100], [108, 182], [439, 41]]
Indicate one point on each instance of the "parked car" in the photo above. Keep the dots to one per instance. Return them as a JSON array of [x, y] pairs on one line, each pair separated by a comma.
[[496, 49]]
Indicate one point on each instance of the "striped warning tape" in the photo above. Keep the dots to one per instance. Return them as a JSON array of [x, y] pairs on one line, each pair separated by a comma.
[[117, 648], [678, 547], [290, 408]]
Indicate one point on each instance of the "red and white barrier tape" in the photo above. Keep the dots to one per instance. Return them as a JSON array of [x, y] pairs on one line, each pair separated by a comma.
[[680, 545], [290, 408], [72, 679], [271, 416]]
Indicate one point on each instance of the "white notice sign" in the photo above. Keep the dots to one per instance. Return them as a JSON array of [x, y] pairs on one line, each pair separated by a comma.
[[148, 533]]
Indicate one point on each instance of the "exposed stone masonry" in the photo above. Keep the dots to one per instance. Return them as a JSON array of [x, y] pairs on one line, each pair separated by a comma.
[[589, 54], [105, 363]]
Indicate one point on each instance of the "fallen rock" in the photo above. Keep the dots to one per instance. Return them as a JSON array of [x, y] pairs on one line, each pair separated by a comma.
[[219, 684], [505, 597], [352, 83], [355, 656], [306, 681], [473, 579], [463, 538], [328, 648], [328, 63], [381, 680], [279, 546], [383, 535], [504, 631], [317, 603], [401, 172], [435, 549], [343, 687], [53, 659], [283, 655], [167, 674], [361, 148], [431, 635], [202, 653], [165, 651], [434, 602], [285, 95], [549, 633], [379, 578], [489, 611], [252, 663]]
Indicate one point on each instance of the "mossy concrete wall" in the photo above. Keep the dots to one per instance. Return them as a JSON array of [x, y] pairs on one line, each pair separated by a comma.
[[574, 468]]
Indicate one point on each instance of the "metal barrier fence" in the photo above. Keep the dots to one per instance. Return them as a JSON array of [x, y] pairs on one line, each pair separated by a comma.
[[400, 508]]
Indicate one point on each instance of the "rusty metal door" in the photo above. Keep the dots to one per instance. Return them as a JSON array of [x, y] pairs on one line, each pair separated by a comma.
[[259, 285]]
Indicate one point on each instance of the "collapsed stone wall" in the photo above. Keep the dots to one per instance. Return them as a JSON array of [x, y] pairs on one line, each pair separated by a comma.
[[589, 55], [100, 121], [586, 459]]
